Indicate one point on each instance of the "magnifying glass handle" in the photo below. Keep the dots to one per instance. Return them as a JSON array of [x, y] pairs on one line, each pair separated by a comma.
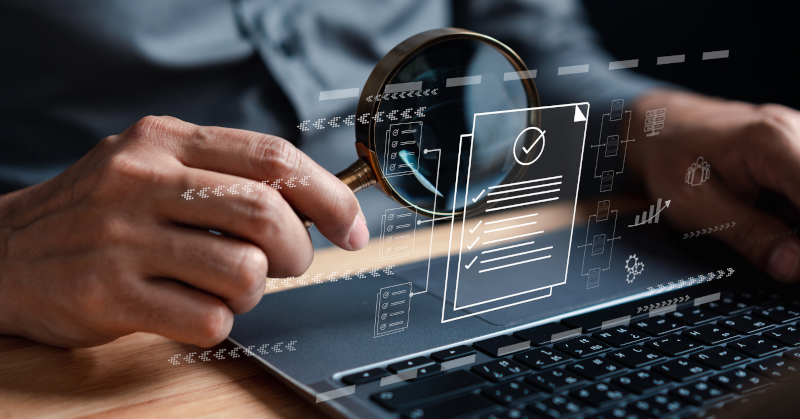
[[358, 176]]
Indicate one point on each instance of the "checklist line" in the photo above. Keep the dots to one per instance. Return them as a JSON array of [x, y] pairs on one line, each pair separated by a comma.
[[516, 254], [513, 264], [522, 204], [512, 238], [509, 227], [524, 195]]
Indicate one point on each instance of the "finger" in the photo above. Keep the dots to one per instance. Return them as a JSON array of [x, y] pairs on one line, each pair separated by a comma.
[[715, 205], [243, 209], [233, 270], [323, 198], [173, 310], [775, 163]]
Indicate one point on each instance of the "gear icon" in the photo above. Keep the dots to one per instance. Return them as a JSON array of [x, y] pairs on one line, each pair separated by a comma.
[[628, 265], [638, 268], [631, 276]]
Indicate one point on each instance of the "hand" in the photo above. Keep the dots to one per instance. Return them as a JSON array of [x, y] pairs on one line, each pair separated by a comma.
[[110, 246], [749, 148]]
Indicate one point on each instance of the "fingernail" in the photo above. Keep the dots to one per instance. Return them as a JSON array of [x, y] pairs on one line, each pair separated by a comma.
[[359, 234], [783, 262]]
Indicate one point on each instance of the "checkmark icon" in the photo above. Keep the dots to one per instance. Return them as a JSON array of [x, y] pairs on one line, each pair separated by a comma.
[[479, 196], [528, 150], [473, 261], [476, 227], [473, 244]]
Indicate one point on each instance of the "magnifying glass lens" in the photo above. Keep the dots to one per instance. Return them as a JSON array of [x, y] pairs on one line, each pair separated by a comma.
[[418, 137]]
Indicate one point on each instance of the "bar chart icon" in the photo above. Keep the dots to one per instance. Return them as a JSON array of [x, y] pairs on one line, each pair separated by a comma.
[[652, 216]]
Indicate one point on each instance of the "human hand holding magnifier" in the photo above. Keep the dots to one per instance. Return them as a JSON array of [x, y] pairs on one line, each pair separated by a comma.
[[427, 90]]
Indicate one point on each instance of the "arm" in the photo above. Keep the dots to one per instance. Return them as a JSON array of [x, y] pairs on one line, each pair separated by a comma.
[[110, 246]]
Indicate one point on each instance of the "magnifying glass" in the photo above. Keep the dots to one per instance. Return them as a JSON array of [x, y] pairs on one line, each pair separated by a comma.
[[417, 104]]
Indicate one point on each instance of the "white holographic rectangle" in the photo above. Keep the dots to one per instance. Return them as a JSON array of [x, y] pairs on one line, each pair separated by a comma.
[[463, 81], [519, 75], [403, 87], [338, 94], [713, 55], [573, 69], [618, 65], [671, 59]]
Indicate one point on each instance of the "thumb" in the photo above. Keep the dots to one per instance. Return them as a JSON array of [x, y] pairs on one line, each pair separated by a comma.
[[759, 237]]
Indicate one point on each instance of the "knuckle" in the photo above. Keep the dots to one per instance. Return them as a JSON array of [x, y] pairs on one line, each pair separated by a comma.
[[276, 156], [214, 323], [251, 271], [146, 127]]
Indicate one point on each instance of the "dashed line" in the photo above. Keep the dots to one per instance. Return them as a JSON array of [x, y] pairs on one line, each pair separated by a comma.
[[573, 69], [339, 94], [714, 55], [618, 65], [671, 59]]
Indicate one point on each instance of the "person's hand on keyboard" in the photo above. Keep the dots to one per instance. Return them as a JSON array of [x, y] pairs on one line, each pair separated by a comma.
[[116, 244], [712, 159]]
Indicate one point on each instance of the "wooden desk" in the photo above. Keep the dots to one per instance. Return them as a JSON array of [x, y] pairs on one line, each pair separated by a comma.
[[132, 377]]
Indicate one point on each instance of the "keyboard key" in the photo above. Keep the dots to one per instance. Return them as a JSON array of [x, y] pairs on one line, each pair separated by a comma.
[[365, 377], [582, 347], [681, 369], [616, 413], [411, 364], [642, 382], [711, 334], [746, 324], [511, 414], [596, 368], [541, 358], [775, 368], [695, 316], [428, 371], [541, 335], [555, 407], [511, 393], [756, 346], [426, 391], [779, 313], [636, 356], [701, 393], [466, 405], [787, 335], [657, 406], [500, 370], [719, 358], [659, 326], [708, 413], [452, 353], [501, 345], [674, 345], [598, 395], [793, 355], [555, 381], [727, 305], [620, 336], [740, 381]]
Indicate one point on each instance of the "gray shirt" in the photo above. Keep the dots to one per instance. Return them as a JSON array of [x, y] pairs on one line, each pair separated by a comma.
[[76, 71]]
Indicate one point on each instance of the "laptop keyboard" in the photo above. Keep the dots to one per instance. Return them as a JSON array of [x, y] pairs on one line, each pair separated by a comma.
[[688, 363]]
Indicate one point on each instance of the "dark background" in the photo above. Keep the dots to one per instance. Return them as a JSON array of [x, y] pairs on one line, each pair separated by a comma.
[[762, 63]]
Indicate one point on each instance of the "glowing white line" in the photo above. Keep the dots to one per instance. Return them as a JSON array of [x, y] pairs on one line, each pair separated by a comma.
[[509, 227], [516, 254], [512, 218], [513, 264], [525, 188], [512, 238], [507, 247], [526, 182], [523, 196], [522, 204]]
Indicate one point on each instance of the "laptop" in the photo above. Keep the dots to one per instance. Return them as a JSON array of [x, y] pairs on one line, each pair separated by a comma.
[[675, 327]]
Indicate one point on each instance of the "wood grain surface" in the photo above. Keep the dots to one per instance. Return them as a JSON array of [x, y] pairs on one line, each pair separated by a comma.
[[133, 377]]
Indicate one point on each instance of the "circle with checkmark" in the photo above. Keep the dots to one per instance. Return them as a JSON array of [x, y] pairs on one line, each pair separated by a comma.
[[529, 146]]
